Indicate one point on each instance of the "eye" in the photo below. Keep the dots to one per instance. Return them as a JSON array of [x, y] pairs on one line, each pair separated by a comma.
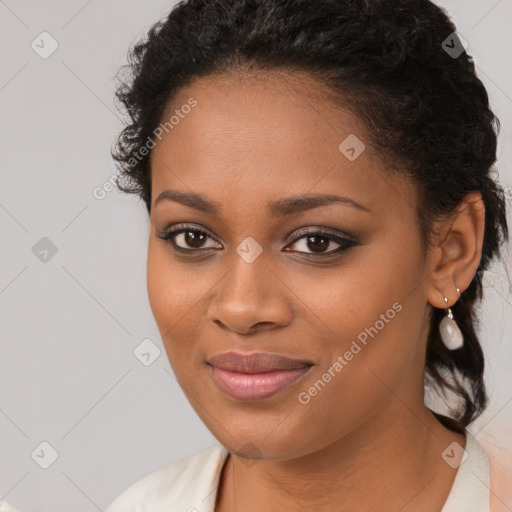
[[188, 239], [191, 239], [317, 242]]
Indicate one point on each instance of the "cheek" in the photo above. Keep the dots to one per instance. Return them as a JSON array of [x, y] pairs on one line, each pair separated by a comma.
[[369, 362], [173, 287], [369, 314], [173, 296]]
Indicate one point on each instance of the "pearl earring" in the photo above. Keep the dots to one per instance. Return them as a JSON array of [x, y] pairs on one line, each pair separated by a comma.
[[449, 330]]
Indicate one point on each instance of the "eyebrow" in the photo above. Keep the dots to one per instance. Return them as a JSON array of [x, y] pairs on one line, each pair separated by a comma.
[[276, 208]]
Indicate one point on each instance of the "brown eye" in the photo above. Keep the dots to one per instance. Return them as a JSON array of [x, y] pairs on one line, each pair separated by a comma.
[[314, 243], [194, 238], [318, 241], [187, 239]]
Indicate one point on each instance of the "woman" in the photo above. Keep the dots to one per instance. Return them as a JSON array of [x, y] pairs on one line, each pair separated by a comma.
[[318, 180]]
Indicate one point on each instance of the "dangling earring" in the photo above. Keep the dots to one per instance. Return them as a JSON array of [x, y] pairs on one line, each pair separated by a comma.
[[449, 330]]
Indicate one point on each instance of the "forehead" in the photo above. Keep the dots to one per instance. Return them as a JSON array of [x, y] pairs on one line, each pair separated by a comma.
[[240, 110], [270, 134]]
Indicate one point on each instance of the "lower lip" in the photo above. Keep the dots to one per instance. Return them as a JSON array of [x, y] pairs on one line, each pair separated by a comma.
[[250, 387]]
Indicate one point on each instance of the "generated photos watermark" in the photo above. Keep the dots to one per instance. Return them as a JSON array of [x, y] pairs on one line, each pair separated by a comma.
[[304, 397]]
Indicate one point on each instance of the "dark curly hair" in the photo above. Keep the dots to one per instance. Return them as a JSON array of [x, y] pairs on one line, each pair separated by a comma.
[[425, 110]]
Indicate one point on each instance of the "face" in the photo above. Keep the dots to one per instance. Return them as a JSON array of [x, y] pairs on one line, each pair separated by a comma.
[[337, 285]]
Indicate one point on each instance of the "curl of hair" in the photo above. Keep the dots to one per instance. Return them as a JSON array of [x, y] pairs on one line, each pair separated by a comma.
[[426, 112]]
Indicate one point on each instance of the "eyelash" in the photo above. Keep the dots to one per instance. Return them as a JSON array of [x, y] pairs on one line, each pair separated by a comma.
[[344, 242]]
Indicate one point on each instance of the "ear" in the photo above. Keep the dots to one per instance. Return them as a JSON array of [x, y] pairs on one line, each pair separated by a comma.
[[457, 252]]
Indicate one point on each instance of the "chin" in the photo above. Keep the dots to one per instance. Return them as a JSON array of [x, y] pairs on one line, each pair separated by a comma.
[[252, 443]]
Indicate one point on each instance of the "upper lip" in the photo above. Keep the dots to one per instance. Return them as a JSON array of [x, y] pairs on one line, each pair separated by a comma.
[[255, 363]]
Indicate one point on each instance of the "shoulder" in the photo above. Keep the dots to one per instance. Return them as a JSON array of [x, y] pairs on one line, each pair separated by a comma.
[[500, 457], [470, 489], [185, 484], [5, 507]]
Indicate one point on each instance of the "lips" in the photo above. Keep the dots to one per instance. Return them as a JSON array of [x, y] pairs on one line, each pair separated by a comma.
[[251, 377], [255, 363]]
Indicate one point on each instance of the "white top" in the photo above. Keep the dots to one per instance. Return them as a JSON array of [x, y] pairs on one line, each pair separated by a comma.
[[190, 485]]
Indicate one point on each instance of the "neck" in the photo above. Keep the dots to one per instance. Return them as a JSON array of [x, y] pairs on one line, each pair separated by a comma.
[[392, 462]]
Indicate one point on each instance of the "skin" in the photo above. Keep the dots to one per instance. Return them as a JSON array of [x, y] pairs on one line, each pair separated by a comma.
[[365, 442]]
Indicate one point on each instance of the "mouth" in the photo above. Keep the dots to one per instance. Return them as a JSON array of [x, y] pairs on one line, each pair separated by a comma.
[[252, 377]]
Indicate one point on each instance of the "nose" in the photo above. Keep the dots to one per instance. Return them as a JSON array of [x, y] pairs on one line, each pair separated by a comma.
[[249, 298]]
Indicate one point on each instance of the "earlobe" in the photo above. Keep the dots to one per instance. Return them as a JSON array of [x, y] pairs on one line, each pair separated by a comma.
[[458, 254]]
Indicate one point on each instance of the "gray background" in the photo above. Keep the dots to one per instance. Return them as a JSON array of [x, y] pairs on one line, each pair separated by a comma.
[[70, 321]]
